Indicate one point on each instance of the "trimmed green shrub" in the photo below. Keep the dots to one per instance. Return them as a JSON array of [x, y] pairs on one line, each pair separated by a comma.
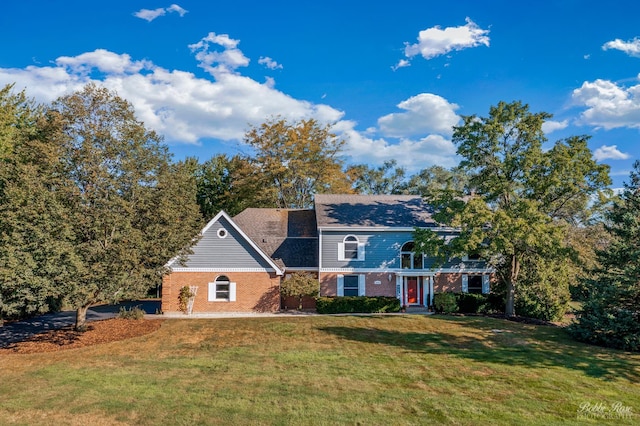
[[471, 303], [356, 304], [445, 303]]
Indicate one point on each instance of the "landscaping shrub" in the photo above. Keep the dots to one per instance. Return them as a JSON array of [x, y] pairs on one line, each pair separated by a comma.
[[356, 304], [607, 325], [134, 313], [445, 303], [471, 303], [496, 303]]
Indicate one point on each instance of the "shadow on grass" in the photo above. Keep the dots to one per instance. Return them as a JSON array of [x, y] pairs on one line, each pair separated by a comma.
[[502, 343]]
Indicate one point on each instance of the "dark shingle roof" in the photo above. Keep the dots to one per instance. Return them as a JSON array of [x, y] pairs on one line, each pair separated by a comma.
[[404, 211], [287, 236]]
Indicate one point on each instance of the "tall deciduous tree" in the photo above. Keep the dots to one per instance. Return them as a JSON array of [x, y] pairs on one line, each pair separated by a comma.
[[432, 181], [610, 315], [229, 184], [295, 161], [521, 196], [131, 208], [386, 179], [36, 248]]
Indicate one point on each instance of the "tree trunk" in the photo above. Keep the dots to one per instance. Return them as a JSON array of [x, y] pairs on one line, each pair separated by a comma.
[[81, 318], [510, 309]]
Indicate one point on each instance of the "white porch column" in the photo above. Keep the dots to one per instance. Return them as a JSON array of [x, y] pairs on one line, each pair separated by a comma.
[[431, 290], [400, 290], [425, 290]]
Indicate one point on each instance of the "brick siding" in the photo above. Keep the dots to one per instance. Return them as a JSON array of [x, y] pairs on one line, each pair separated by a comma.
[[255, 291]]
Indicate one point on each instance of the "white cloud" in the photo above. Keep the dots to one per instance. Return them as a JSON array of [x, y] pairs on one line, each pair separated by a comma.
[[177, 104], [188, 109], [401, 64], [151, 14], [414, 155], [175, 8], [425, 113], [606, 152], [216, 62], [551, 126], [608, 105], [435, 41], [631, 47], [102, 60], [269, 63]]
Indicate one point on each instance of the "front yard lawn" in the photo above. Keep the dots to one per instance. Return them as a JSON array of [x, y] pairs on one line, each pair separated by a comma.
[[405, 369]]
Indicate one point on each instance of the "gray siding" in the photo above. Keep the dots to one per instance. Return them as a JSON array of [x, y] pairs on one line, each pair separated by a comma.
[[230, 252], [382, 251]]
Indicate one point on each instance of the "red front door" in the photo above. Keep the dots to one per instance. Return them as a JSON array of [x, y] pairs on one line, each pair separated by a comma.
[[412, 290]]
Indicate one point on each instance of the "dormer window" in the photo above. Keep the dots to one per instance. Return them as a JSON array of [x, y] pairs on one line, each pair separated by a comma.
[[350, 249]]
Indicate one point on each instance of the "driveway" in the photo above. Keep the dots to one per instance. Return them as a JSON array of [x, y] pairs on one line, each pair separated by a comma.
[[22, 330]]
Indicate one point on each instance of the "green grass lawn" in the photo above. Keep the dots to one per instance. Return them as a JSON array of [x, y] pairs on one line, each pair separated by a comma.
[[380, 370]]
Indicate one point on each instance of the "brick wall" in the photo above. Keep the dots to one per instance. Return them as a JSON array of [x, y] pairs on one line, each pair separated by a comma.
[[255, 291], [447, 282], [329, 284]]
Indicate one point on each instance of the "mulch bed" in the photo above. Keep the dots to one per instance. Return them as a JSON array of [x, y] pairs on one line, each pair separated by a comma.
[[98, 332]]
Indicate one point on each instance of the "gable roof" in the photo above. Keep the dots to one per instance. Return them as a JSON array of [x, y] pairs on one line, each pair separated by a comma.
[[261, 253], [288, 236], [381, 211]]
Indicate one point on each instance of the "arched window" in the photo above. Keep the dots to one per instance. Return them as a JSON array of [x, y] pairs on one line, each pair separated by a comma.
[[351, 249], [222, 290], [408, 259]]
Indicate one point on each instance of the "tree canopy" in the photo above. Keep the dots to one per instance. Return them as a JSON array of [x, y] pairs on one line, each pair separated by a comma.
[[131, 208], [519, 196], [37, 255], [385, 179], [610, 315], [294, 161]]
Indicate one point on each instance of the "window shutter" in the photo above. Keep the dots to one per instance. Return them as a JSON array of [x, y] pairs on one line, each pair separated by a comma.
[[340, 285], [232, 292], [485, 284], [340, 251], [465, 283], [361, 285], [360, 251], [212, 292]]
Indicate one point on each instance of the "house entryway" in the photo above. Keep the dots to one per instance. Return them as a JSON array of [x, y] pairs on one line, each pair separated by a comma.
[[417, 291]]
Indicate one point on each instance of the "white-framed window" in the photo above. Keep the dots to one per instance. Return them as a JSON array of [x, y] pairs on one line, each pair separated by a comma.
[[222, 233], [222, 290], [351, 285], [409, 259], [478, 284], [350, 248]]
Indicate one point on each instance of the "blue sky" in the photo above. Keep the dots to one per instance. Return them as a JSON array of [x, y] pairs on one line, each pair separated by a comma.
[[391, 77]]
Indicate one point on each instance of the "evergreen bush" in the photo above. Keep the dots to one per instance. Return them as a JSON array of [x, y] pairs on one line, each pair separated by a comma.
[[356, 304]]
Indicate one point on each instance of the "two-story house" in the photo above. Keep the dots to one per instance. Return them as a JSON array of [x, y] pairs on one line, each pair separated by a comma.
[[355, 245]]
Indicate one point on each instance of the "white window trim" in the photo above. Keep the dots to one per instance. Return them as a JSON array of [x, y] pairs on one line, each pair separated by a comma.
[[465, 284], [361, 285], [411, 258], [211, 297], [222, 233], [486, 286], [361, 249]]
